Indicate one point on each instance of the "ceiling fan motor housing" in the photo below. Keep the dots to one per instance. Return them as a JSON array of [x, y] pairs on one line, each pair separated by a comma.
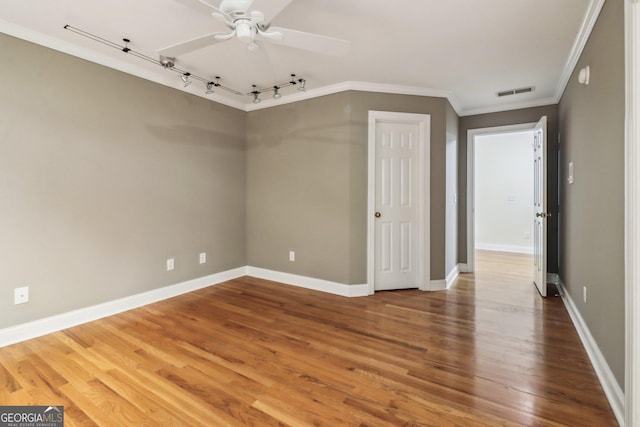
[[245, 30]]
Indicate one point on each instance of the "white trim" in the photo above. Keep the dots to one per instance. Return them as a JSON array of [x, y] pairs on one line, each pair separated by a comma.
[[463, 267], [356, 86], [588, 22], [632, 213], [58, 322], [612, 390], [593, 10], [438, 285], [508, 107], [452, 276], [309, 282], [471, 135], [504, 248], [424, 185], [129, 67]]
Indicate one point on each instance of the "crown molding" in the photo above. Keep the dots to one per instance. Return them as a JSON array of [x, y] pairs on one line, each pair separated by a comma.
[[588, 22], [509, 107], [355, 86], [109, 62]]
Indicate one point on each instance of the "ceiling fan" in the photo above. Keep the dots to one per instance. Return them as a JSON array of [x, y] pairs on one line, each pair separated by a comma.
[[250, 22]]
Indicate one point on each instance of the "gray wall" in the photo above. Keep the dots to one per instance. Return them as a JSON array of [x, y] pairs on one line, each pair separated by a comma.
[[307, 183], [103, 176], [298, 188], [592, 223], [525, 115]]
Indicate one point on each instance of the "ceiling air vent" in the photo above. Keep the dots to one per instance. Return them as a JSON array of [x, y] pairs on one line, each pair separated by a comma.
[[515, 91]]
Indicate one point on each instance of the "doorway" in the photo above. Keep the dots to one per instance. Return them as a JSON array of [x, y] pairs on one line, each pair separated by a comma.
[[505, 221], [504, 192]]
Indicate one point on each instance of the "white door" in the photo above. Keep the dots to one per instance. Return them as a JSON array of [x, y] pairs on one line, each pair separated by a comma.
[[398, 200], [540, 206]]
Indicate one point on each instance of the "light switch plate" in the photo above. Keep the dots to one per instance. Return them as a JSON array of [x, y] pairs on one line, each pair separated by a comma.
[[570, 177]]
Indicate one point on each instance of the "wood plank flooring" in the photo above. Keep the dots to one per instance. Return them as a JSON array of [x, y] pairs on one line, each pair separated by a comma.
[[488, 352]]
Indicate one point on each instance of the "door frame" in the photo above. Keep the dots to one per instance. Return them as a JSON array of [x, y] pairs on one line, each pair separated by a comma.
[[471, 181], [424, 193], [632, 213]]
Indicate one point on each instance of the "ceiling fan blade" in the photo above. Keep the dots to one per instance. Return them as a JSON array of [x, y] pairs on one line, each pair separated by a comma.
[[311, 42], [271, 35], [269, 8], [190, 45]]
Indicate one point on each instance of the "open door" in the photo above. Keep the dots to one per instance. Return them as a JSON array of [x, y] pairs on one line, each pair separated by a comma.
[[540, 206]]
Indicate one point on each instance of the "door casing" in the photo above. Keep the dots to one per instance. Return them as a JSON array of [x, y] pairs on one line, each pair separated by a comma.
[[424, 181], [471, 228]]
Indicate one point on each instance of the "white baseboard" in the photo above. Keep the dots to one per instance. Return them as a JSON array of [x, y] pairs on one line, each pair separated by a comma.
[[453, 274], [504, 248], [463, 267], [58, 322], [612, 390], [309, 282], [437, 285]]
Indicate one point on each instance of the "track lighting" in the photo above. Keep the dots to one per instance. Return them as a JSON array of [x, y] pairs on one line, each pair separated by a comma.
[[185, 79], [212, 86], [256, 95], [167, 62]]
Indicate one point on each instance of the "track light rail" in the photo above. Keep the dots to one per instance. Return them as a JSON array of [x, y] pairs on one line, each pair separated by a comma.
[[186, 76]]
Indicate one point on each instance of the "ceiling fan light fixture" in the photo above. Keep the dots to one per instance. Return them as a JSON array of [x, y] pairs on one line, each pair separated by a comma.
[[244, 30]]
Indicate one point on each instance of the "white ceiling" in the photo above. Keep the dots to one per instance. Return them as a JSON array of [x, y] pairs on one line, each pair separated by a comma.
[[465, 50]]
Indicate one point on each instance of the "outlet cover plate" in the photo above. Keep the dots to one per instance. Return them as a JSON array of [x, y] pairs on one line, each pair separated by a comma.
[[21, 295]]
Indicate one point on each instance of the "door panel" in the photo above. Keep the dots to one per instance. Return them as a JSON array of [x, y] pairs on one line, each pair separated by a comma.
[[540, 206], [396, 241]]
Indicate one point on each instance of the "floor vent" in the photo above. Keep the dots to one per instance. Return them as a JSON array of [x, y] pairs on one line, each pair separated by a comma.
[[515, 91]]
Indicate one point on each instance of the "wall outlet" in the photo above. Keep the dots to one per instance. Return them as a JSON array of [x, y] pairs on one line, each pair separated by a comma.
[[21, 295], [292, 256], [203, 257], [170, 264], [584, 294]]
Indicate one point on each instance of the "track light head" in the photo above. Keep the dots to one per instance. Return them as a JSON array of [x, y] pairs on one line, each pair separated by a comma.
[[303, 82], [210, 86], [276, 92], [185, 79], [167, 62]]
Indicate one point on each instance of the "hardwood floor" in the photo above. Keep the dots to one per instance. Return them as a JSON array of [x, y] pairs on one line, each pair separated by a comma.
[[488, 352]]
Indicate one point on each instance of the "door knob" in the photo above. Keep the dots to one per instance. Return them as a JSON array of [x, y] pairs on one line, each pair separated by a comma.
[[377, 215], [542, 215]]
